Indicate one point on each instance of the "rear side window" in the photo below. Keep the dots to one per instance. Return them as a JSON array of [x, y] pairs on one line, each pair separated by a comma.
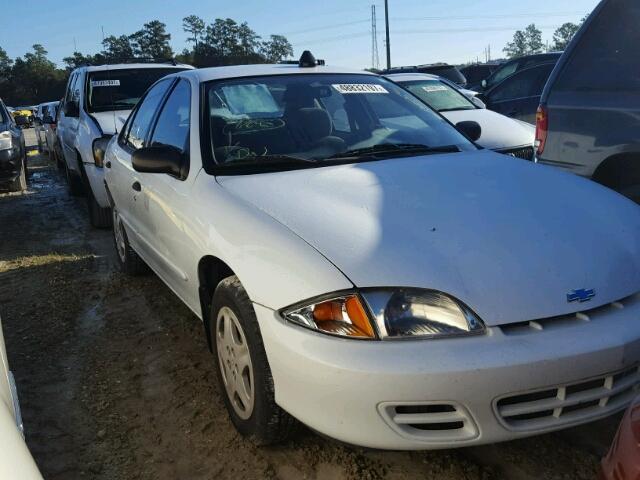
[[173, 123], [606, 57], [506, 70], [526, 83], [141, 122]]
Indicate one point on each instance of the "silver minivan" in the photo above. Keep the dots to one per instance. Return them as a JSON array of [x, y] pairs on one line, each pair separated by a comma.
[[588, 121]]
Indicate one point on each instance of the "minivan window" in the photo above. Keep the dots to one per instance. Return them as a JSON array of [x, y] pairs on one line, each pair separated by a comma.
[[120, 89], [286, 115], [502, 73], [606, 58]]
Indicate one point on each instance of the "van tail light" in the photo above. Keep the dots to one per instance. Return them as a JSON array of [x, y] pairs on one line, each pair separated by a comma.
[[542, 128]]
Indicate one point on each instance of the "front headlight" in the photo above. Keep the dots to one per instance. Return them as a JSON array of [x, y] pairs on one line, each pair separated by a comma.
[[6, 142], [99, 149], [387, 314]]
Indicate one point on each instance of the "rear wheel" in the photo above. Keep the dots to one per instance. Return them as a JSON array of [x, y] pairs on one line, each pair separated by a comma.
[[20, 183], [243, 368], [129, 261], [74, 182]]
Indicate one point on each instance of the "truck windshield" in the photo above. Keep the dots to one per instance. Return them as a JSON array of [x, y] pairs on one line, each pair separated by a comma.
[[321, 117], [122, 88]]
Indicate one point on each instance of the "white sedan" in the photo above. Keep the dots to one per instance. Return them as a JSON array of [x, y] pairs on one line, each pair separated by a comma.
[[498, 132], [15, 459], [362, 267]]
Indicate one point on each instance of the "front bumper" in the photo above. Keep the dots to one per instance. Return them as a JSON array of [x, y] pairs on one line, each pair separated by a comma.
[[375, 393]]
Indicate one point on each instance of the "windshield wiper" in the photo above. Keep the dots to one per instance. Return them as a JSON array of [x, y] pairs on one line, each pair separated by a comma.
[[269, 160], [393, 149]]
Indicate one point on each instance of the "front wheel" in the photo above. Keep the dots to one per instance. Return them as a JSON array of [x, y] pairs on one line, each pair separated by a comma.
[[129, 261], [20, 183], [243, 368]]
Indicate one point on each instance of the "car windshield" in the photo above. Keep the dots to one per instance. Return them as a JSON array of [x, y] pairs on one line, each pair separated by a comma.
[[438, 95], [122, 88], [321, 118]]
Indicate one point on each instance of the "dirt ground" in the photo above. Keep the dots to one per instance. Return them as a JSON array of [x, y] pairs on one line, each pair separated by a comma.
[[116, 381]]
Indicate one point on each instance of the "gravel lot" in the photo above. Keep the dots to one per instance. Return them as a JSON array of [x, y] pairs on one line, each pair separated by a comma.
[[116, 381]]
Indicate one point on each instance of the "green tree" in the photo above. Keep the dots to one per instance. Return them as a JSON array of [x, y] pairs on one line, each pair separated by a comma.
[[78, 59], [196, 27], [525, 42], [275, 49], [152, 41], [563, 35], [117, 47], [35, 78], [534, 39]]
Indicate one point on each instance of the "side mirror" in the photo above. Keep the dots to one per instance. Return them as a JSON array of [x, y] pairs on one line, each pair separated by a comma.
[[48, 120], [470, 129], [158, 159], [484, 83], [71, 109], [477, 102]]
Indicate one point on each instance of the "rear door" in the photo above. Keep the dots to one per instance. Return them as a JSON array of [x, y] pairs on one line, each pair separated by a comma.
[[518, 96], [71, 118]]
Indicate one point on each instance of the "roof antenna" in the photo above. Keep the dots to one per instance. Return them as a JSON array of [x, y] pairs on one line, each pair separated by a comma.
[[307, 60]]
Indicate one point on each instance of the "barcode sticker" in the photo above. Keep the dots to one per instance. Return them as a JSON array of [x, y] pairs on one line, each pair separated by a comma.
[[359, 88], [105, 83]]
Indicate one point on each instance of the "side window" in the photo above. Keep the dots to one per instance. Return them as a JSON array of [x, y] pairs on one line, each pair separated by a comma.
[[504, 72], [143, 116], [67, 93], [603, 60], [520, 85], [75, 89], [172, 127]]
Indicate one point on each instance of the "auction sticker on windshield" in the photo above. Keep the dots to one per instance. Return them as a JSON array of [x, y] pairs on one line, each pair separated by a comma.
[[105, 83], [434, 88], [359, 88]]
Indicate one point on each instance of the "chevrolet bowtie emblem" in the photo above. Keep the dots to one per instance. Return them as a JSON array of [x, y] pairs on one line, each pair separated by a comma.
[[581, 295]]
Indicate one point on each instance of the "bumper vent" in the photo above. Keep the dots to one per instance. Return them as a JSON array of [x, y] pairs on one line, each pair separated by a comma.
[[525, 153], [429, 421], [571, 403], [563, 321]]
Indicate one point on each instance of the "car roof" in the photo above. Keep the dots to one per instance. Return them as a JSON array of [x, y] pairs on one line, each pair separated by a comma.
[[240, 71], [410, 77], [132, 66]]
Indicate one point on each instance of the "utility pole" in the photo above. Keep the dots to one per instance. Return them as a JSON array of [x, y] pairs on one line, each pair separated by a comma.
[[375, 59], [386, 22]]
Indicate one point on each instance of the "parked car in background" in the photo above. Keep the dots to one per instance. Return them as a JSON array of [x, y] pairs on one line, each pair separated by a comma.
[[13, 158], [41, 127], [589, 117], [499, 133], [15, 459], [513, 66], [623, 459], [362, 267], [50, 122], [444, 70], [477, 72], [23, 117], [518, 96], [97, 102]]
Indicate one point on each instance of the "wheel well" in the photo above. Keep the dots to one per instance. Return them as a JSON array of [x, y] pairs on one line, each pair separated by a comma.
[[619, 170], [211, 271]]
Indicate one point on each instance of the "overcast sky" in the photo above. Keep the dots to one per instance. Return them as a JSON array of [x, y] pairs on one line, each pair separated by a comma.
[[422, 31]]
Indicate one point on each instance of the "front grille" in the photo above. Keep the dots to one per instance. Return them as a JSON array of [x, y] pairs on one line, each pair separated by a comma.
[[437, 422], [563, 321], [566, 404], [525, 153]]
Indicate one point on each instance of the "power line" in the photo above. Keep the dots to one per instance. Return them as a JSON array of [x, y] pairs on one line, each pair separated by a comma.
[[474, 17]]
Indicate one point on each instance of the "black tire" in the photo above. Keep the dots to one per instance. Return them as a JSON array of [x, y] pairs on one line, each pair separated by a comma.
[[128, 260], [267, 423], [74, 182], [98, 216], [20, 183]]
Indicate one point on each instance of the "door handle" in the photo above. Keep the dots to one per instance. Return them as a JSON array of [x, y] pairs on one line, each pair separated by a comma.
[[136, 186]]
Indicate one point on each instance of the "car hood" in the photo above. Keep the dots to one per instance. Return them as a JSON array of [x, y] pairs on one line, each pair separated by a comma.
[[508, 238], [111, 122], [498, 131]]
